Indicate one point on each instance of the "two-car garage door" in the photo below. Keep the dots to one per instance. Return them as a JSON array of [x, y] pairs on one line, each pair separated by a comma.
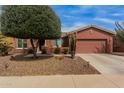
[[90, 46]]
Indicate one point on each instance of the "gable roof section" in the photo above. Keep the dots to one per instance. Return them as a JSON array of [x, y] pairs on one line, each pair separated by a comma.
[[64, 34], [94, 26]]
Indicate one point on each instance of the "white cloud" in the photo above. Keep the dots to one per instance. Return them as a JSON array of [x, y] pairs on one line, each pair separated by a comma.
[[78, 24], [73, 27], [97, 10], [68, 16], [67, 29], [82, 9], [105, 20], [117, 14], [85, 7]]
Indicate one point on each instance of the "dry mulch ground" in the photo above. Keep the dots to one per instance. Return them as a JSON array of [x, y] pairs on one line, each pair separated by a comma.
[[44, 66]]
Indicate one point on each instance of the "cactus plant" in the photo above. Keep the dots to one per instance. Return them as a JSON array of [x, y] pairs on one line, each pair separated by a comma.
[[72, 45]]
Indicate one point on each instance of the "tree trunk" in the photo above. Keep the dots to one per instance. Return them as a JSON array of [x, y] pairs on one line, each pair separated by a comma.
[[40, 48], [72, 54], [37, 44], [41, 44], [56, 43], [34, 49]]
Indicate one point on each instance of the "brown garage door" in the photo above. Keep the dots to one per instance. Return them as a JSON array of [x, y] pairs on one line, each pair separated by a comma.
[[91, 46]]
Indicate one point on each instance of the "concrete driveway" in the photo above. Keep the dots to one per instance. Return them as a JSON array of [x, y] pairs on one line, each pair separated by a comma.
[[106, 63]]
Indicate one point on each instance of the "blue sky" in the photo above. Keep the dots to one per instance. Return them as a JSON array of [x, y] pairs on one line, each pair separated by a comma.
[[73, 17], [76, 16]]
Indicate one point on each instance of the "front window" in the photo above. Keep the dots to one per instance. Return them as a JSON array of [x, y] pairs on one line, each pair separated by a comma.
[[21, 43], [57, 42]]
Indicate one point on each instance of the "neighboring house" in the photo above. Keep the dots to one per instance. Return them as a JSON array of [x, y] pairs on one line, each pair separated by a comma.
[[118, 46], [90, 39]]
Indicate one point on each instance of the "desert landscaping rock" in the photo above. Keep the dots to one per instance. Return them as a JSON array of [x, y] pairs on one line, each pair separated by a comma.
[[45, 65]]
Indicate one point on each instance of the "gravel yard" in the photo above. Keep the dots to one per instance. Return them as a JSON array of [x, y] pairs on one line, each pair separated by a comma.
[[58, 65]]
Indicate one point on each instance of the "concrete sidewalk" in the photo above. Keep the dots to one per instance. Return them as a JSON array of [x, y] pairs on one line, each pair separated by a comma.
[[64, 81]]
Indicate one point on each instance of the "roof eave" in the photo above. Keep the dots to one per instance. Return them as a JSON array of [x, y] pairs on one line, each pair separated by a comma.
[[94, 26]]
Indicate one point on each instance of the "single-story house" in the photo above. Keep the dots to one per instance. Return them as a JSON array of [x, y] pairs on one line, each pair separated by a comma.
[[89, 39], [94, 39]]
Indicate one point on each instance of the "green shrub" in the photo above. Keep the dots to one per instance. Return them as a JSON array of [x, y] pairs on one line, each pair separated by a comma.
[[30, 22], [4, 49], [57, 50], [65, 51], [30, 51], [44, 50]]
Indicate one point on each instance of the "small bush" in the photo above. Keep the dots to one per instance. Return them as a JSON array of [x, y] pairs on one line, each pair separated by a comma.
[[57, 50], [44, 50], [4, 49], [65, 51], [30, 51]]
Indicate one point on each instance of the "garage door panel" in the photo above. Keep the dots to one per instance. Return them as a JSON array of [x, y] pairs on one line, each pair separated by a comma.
[[91, 46]]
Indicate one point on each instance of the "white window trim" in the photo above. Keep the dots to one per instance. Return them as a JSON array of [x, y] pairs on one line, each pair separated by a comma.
[[17, 44], [45, 44], [54, 45]]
